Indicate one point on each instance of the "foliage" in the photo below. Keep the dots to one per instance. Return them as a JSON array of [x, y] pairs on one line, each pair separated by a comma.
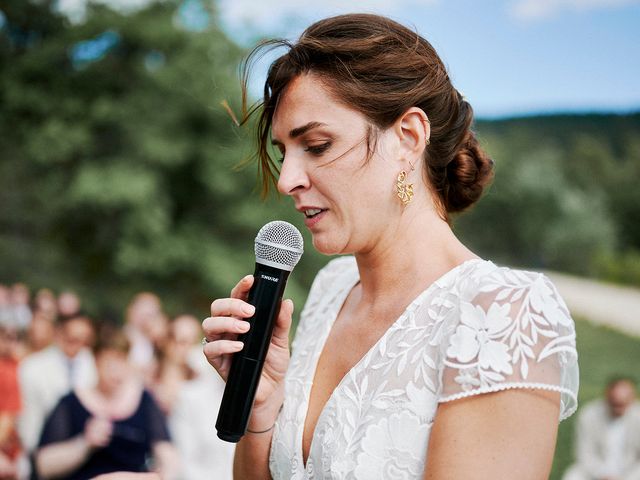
[[117, 167], [564, 196], [117, 157]]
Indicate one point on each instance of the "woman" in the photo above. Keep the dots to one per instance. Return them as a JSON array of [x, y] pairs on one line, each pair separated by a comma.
[[10, 406], [113, 427], [414, 358]]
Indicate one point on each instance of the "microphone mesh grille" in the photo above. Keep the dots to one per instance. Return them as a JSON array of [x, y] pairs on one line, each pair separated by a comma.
[[279, 244]]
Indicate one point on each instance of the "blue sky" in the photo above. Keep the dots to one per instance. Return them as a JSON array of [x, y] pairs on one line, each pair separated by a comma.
[[509, 57]]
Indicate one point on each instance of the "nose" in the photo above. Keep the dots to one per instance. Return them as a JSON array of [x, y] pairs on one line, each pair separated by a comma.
[[293, 176]]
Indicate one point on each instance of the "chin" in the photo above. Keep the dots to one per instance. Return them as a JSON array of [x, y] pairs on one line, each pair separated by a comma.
[[329, 246]]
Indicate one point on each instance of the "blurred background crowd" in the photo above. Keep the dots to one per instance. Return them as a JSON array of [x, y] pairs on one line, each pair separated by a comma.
[[80, 396]]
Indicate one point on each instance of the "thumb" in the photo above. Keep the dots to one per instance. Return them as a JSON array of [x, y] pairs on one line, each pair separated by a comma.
[[283, 324]]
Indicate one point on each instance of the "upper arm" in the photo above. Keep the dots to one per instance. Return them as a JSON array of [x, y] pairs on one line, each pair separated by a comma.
[[494, 435], [508, 374]]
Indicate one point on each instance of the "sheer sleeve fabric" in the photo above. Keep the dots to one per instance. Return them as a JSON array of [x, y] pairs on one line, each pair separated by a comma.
[[513, 330]]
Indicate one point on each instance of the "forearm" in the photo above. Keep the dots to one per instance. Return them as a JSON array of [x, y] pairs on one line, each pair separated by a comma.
[[251, 458], [168, 463], [60, 459]]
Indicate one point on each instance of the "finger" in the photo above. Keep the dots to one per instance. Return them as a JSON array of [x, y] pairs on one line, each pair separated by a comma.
[[241, 290], [215, 327], [225, 307], [283, 324], [214, 350]]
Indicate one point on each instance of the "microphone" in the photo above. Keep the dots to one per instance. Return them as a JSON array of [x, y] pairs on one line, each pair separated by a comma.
[[278, 249]]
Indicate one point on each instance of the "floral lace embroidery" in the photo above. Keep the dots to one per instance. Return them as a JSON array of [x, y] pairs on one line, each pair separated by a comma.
[[478, 328]]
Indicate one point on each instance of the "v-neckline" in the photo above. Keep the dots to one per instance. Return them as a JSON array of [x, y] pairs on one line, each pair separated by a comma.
[[340, 298]]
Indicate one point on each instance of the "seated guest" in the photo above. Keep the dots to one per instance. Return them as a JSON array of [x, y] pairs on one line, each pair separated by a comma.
[[41, 332], [9, 406], [144, 310], [68, 303], [20, 310], [173, 368], [49, 374], [113, 427], [608, 436], [203, 455], [46, 303]]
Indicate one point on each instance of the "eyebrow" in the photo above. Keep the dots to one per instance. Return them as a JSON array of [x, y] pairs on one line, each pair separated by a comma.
[[296, 132]]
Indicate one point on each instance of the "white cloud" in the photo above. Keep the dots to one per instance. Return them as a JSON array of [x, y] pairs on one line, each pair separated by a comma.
[[530, 10]]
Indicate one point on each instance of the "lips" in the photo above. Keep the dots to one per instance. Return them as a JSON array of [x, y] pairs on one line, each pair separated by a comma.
[[312, 212]]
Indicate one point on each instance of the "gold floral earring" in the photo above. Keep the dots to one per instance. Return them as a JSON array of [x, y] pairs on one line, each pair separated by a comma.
[[404, 190]]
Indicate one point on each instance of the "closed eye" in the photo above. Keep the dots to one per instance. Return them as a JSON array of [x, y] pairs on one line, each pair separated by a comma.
[[318, 149]]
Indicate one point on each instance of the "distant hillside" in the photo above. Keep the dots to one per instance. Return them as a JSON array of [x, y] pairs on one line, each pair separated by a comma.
[[565, 196]]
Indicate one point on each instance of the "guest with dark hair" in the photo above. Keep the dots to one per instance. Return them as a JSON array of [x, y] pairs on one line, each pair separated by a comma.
[[114, 426]]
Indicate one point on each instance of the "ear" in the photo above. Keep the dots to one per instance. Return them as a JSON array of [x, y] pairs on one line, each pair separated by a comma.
[[413, 131]]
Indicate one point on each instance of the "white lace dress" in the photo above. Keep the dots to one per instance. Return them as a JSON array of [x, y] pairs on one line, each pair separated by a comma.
[[479, 328]]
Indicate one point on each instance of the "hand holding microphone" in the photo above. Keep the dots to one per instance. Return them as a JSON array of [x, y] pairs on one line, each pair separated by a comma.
[[248, 335]]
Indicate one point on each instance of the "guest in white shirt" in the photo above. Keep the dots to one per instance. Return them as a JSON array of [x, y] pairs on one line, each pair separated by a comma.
[[192, 424], [47, 375], [608, 436]]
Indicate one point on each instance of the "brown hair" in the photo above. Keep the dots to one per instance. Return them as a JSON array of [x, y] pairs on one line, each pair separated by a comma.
[[381, 69], [111, 338]]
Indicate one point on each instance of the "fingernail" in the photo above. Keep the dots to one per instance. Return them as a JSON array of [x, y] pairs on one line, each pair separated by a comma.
[[242, 326], [248, 309], [238, 345]]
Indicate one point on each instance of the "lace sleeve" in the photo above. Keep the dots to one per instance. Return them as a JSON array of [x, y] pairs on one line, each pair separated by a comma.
[[515, 332]]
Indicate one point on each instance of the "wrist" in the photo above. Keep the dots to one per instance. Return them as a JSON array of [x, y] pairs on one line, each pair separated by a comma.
[[263, 418], [266, 430], [83, 444]]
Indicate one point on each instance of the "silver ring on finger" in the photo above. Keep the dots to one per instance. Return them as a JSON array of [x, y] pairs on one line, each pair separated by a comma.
[[204, 341]]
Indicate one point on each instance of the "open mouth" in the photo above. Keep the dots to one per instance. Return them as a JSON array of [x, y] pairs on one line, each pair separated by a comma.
[[312, 212]]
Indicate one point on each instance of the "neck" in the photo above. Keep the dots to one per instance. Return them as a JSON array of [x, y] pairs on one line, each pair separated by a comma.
[[412, 255], [105, 392]]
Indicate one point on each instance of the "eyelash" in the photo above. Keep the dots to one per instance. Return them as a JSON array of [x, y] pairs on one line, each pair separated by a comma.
[[318, 149], [314, 150]]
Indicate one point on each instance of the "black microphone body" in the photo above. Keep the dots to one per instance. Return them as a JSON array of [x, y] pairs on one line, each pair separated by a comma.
[[246, 367], [278, 248]]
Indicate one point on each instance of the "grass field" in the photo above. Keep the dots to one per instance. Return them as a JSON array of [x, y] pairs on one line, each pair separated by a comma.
[[602, 353]]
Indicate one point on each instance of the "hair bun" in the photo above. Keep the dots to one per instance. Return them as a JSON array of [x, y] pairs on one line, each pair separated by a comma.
[[468, 173]]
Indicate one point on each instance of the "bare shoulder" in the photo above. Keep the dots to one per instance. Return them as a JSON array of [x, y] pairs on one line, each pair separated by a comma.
[[494, 434]]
